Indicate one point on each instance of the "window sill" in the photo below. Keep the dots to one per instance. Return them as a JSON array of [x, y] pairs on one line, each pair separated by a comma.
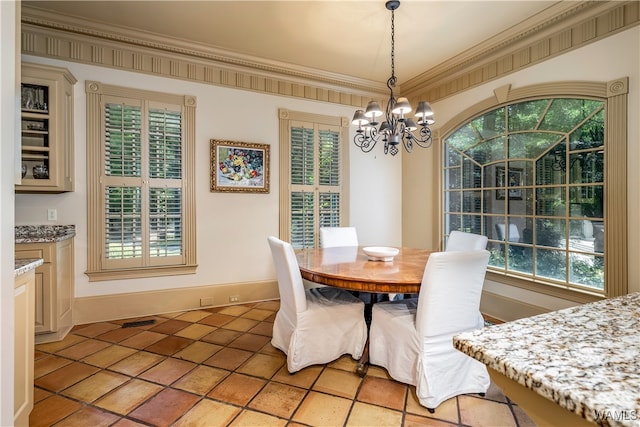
[[138, 273]]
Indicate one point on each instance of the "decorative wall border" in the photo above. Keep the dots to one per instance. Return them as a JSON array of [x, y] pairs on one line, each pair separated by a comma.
[[568, 26]]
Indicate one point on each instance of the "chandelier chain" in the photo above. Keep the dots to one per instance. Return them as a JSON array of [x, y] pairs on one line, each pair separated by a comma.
[[393, 45]]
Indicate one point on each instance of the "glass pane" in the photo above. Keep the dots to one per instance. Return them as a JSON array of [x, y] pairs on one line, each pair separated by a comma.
[[586, 270], [329, 209], [491, 204], [452, 222], [452, 178], [551, 264], [451, 156], [587, 201], [525, 169], [487, 151], [526, 115], [550, 232], [551, 201], [590, 134], [123, 233], [497, 258], [519, 259], [329, 158], [531, 145], [471, 201], [581, 236], [471, 224], [452, 201], [586, 167], [471, 174], [302, 156], [566, 114], [598, 236], [165, 221], [550, 168], [523, 203], [123, 145]]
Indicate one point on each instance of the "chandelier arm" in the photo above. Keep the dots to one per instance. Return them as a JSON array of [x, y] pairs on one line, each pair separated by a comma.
[[366, 139]]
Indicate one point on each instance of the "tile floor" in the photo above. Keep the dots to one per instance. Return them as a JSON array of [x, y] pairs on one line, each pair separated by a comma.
[[216, 367]]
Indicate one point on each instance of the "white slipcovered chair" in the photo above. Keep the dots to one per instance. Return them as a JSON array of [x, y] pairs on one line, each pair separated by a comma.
[[331, 237], [413, 338], [462, 241], [313, 326]]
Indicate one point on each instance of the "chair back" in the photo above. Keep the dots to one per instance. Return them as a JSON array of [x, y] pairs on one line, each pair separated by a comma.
[[462, 241], [331, 237], [449, 298], [292, 294]]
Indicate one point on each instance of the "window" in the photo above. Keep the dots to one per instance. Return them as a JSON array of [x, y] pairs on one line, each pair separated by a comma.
[[313, 155], [141, 207], [532, 176]]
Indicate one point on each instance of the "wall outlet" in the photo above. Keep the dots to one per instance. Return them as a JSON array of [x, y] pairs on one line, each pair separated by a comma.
[[234, 298], [52, 214], [207, 301]]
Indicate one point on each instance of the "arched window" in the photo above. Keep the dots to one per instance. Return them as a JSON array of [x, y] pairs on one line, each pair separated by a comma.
[[532, 174]]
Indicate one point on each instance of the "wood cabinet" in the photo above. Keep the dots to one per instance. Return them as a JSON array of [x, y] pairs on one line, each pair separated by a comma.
[[54, 288], [23, 348], [46, 129]]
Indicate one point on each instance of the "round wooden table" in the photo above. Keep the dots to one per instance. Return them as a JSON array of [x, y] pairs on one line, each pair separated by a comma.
[[349, 268]]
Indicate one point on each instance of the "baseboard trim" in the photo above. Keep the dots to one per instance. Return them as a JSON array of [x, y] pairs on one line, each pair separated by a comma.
[[137, 304], [506, 309]]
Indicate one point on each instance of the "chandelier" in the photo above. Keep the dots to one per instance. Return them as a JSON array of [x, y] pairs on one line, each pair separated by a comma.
[[395, 127]]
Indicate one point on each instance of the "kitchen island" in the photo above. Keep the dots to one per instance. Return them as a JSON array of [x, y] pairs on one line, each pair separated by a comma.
[[577, 366]]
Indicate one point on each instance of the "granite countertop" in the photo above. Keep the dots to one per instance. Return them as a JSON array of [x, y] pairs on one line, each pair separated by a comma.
[[24, 265], [585, 358], [43, 233]]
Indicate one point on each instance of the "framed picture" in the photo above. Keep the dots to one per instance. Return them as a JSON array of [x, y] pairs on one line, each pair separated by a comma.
[[239, 167], [511, 180]]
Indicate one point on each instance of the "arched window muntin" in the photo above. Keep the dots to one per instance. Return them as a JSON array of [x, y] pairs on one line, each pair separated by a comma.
[[505, 176]]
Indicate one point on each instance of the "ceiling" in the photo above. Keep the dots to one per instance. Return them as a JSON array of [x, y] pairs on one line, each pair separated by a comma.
[[350, 38]]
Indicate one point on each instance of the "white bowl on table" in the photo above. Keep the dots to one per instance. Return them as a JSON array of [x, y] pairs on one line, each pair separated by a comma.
[[380, 253]]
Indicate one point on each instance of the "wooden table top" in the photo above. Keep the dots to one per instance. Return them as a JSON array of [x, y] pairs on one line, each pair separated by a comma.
[[349, 268]]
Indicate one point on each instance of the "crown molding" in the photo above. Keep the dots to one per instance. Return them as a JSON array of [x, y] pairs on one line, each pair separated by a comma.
[[555, 31]]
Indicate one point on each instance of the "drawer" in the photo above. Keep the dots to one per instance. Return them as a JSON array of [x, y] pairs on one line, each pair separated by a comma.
[[35, 250]]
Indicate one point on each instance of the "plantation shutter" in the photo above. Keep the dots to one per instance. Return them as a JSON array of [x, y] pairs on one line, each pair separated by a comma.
[[315, 182]]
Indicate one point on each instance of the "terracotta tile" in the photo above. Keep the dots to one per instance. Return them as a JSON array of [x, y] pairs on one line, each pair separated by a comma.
[[269, 349], [123, 422], [171, 315], [263, 328], [167, 371], [522, 417], [234, 310], [169, 345], [95, 386], [216, 319], [319, 409], [346, 363], [108, 356], [83, 349], [94, 329], [89, 416], [143, 339], [46, 365], [55, 346], [250, 342], [411, 420], [39, 355], [303, 378], [495, 393], [447, 410], [248, 418], [198, 352], [40, 394], [195, 331], [208, 413], [149, 322], [65, 376], [269, 305], [364, 414], [193, 316], [165, 407], [338, 383], [237, 389], [125, 398], [169, 327], [201, 380], [258, 314], [136, 363], [278, 399], [480, 412], [228, 358], [262, 365], [241, 324], [51, 410], [117, 335], [378, 372], [387, 393], [221, 336]]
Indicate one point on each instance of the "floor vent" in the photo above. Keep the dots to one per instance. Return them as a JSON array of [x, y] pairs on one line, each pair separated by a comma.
[[138, 323]]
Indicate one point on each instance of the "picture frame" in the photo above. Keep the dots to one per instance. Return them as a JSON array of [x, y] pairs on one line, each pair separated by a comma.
[[239, 167], [508, 183]]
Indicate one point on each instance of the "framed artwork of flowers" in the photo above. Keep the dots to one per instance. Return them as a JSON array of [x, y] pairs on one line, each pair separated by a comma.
[[239, 167]]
